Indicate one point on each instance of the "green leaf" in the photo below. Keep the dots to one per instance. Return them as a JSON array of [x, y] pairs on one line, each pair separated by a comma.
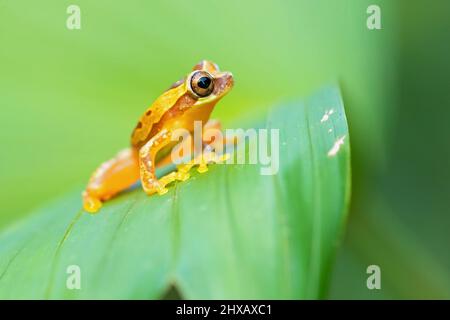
[[229, 233]]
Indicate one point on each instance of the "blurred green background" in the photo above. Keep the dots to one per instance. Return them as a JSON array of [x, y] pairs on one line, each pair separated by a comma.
[[69, 99]]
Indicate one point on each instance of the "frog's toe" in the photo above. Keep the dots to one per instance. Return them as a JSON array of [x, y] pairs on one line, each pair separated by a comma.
[[223, 157], [183, 176], [162, 190], [91, 204], [151, 187], [202, 168]]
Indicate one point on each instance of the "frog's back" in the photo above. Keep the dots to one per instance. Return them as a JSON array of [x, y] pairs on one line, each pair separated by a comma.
[[153, 115]]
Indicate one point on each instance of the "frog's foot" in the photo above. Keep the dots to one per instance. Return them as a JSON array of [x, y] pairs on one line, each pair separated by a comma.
[[90, 203], [159, 186], [202, 161], [154, 186]]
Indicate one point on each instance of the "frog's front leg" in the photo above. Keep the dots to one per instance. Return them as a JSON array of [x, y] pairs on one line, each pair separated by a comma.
[[147, 164], [213, 151]]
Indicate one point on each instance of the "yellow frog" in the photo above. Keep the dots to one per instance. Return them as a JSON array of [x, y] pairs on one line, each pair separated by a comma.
[[186, 101]]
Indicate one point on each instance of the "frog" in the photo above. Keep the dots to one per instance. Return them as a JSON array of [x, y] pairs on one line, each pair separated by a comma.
[[191, 99]]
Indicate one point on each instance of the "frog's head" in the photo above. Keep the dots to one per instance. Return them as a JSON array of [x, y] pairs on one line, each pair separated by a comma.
[[207, 84]]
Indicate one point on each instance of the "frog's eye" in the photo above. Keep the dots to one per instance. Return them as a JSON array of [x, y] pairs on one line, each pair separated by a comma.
[[202, 83]]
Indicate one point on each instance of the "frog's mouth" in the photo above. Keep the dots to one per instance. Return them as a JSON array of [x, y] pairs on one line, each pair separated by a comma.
[[223, 82]]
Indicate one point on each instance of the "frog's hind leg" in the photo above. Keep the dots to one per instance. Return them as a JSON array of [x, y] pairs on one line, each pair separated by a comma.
[[112, 177]]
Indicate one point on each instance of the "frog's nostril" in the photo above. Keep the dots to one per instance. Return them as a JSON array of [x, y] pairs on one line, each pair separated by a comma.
[[230, 78]]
